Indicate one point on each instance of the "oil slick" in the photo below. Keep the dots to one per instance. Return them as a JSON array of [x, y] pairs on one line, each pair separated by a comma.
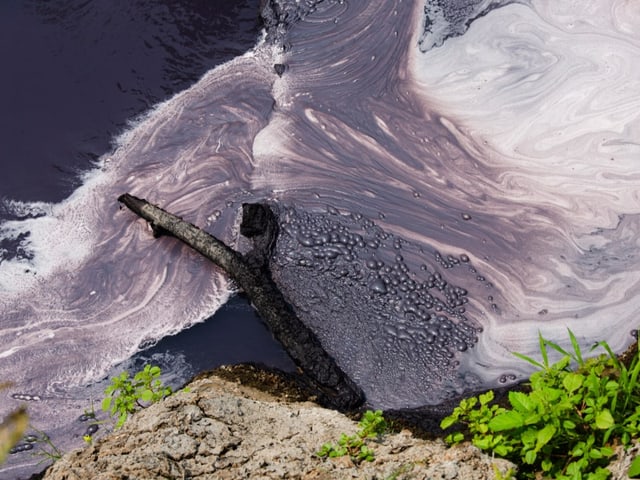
[[510, 148]]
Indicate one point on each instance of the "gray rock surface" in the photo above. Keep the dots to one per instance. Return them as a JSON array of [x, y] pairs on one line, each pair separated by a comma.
[[221, 429]]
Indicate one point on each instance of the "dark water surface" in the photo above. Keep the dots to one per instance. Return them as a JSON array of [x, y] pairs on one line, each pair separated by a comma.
[[75, 72]]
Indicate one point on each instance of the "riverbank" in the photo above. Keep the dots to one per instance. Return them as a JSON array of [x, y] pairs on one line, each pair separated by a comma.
[[245, 422], [229, 429]]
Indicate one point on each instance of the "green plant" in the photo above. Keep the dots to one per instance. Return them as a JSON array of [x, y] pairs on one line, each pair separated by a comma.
[[372, 425], [124, 395], [508, 475], [634, 468], [569, 422], [12, 428], [48, 450], [401, 470]]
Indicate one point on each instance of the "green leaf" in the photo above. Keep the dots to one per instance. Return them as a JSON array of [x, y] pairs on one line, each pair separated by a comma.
[[576, 348], [530, 457], [521, 402], [634, 468], [543, 350], [454, 438], [121, 419], [483, 443], [612, 356], [486, 397], [572, 382], [506, 421], [528, 437], [448, 421], [106, 404], [544, 436], [604, 420], [532, 419], [546, 465], [635, 370], [595, 454], [146, 396], [527, 359], [324, 450], [502, 450], [560, 350]]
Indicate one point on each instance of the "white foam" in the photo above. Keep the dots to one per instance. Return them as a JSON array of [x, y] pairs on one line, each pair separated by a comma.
[[549, 97], [95, 285]]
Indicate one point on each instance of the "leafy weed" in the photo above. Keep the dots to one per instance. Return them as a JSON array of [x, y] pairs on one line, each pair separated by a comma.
[[567, 425], [125, 395], [372, 425]]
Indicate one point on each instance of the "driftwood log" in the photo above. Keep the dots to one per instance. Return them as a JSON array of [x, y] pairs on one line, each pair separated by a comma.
[[251, 273]]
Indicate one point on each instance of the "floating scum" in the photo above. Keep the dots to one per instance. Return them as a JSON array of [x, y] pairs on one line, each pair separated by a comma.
[[443, 194]]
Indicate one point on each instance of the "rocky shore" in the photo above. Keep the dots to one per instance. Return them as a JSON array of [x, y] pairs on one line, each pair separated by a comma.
[[243, 422], [226, 429]]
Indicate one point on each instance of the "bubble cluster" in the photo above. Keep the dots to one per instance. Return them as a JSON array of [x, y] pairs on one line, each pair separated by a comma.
[[376, 314], [25, 445], [86, 417], [26, 397], [21, 447]]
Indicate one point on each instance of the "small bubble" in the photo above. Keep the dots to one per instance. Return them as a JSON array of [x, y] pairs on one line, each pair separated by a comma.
[[466, 216], [91, 429], [378, 286], [86, 416]]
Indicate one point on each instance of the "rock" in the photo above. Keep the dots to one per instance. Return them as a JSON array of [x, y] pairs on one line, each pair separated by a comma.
[[222, 429]]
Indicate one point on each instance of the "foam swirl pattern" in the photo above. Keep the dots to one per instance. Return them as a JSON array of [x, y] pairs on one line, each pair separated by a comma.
[[503, 159]]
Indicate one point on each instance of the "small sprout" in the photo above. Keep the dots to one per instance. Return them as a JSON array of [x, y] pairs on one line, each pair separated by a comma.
[[372, 425], [124, 396]]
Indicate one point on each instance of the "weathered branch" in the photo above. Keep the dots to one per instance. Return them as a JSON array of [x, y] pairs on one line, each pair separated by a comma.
[[333, 386]]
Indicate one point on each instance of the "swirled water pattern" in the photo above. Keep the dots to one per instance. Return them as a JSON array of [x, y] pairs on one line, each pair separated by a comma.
[[451, 179]]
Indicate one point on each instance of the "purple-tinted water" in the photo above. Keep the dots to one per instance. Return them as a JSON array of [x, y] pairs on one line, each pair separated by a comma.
[[443, 199], [75, 73]]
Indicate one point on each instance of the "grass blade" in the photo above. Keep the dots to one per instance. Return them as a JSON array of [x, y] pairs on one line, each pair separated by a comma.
[[543, 351], [561, 350], [635, 370], [613, 356], [576, 348], [527, 359]]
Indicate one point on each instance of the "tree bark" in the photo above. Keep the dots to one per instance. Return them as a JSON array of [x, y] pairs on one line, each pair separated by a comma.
[[332, 386]]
